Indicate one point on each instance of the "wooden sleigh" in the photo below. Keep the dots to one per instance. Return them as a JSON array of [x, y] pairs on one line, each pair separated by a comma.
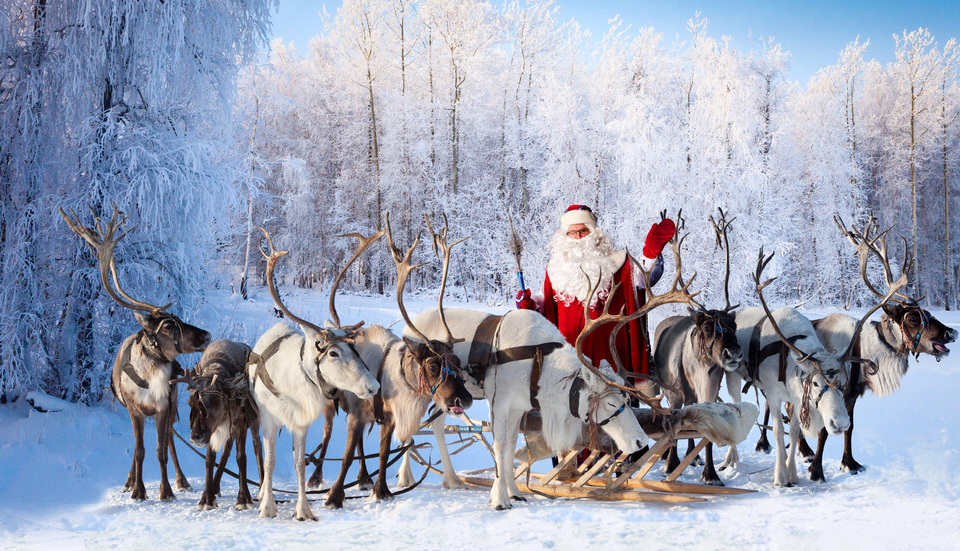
[[602, 476]]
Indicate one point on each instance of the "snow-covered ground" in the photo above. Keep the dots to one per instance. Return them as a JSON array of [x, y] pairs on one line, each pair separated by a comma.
[[61, 474]]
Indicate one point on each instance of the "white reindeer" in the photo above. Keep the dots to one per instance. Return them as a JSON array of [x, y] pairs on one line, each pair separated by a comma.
[[569, 390], [298, 375], [804, 373], [411, 375], [904, 329]]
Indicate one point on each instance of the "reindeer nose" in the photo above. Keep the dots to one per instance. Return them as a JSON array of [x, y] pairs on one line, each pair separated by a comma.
[[951, 335]]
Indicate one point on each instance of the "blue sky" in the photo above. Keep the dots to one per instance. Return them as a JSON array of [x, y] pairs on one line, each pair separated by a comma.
[[813, 31]]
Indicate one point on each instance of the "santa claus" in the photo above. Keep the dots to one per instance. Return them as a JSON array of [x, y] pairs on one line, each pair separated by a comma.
[[579, 247]]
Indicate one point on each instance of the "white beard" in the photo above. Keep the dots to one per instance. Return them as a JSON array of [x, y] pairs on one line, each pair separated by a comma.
[[570, 258]]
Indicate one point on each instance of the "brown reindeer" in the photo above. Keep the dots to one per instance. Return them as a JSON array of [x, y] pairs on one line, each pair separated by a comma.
[[221, 412], [146, 361]]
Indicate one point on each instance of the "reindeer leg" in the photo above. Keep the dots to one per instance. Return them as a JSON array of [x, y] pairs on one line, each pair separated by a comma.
[[244, 501], [268, 507], [208, 500], [848, 464], [780, 475], [329, 411], [302, 511], [164, 424], [138, 491], [227, 448], [511, 451], [816, 466], [405, 474], [763, 445], [792, 458], [671, 459], [803, 448], [709, 475], [364, 480], [690, 445], [181, 484], [336, 494], [450, 479], [380, 490], [257, 451], [503, 428]]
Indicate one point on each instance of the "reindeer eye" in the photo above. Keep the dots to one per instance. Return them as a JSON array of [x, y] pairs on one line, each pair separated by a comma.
[[334, 353], [816, 384]]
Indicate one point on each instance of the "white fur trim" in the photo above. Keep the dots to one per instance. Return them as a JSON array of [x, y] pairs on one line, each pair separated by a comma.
[[572, 217]]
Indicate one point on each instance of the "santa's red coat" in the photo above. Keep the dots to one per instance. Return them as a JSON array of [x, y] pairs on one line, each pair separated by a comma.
[[631, 343]]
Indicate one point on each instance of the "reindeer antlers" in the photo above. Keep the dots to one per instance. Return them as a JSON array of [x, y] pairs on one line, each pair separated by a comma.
[[720, 229], [866, 244], [362, 246], [272, 256], [440, 244], [403, 273], [102, 241]]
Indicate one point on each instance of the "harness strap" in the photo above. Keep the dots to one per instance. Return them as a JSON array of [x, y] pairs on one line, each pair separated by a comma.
[[482, 347], [757, 355], [261, 361], [575, 388], [132, 373], [535, 378], [378, 397]]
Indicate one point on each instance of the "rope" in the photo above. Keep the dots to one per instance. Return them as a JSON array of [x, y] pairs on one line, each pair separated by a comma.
[[398, 451]]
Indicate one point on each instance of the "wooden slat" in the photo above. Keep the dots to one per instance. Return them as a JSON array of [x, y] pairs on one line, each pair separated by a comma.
[[691, 455], [563, 464], [592, 493], [589, 473]]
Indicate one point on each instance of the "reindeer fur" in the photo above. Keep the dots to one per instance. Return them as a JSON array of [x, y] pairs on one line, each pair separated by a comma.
[[829, 413], [300, 401], [507, 388]]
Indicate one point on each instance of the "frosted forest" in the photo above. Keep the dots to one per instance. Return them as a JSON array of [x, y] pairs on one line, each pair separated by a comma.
[[182, 115]]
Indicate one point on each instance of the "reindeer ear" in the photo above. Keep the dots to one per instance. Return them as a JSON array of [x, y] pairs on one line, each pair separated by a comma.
[[417, 348], [893, 309], [146, 320], [697, 316]]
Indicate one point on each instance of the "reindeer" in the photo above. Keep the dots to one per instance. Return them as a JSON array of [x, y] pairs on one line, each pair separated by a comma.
[[693, 352], [520, 361], [411, 376], [221, 412], [904, 329], [792, 366], [146, 361], [297, 375]]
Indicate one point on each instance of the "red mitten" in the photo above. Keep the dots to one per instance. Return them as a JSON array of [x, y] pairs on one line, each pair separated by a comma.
[[524, 302], [658, 236]]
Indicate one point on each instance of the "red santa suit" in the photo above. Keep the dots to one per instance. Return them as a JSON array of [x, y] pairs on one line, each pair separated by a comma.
[[591, 256], [566, 313]]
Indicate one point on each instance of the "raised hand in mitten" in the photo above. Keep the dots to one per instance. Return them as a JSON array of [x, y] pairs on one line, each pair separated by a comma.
[[659, 235], [524, 302]]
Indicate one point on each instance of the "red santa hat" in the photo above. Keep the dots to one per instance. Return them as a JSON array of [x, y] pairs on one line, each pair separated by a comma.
[[577, 214]]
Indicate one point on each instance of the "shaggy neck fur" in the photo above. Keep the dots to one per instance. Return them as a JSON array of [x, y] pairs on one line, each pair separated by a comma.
[[154, 372], [888, 352], [561, 429], [380, 347]]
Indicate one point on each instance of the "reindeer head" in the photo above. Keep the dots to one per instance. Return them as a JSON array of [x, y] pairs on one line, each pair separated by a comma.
[[439, 374], [822, 378], [716, 332], [329, 359], [215, 401], [921, 332], [608, 408], [166, 334]]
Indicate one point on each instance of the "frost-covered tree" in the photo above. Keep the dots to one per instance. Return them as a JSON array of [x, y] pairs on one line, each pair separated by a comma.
[[110, 102]]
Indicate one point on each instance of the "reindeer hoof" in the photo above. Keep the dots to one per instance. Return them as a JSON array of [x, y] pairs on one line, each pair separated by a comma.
[[854, 468], [504, 507], [243, 506], [454, 484], [763, 447], [182, 485], [365, 485], [711, 481], [207, 506], [139, 494], [518, 498], [315, 482]]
